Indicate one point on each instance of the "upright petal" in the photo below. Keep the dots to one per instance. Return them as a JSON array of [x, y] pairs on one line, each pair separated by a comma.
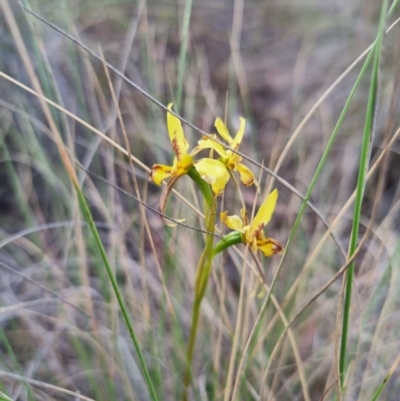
[[263, 215], [159, 172], [223, 131], [214, 172], [239, 136], [246, 175], [207, 143], [233, 222], [176, 136]]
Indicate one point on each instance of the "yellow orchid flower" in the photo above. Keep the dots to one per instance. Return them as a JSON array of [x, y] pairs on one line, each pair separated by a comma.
[[231, 160], [182, 162], [253, 233], [211, 171]]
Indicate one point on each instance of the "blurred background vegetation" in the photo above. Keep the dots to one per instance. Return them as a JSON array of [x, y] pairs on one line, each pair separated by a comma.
[[61, 334]]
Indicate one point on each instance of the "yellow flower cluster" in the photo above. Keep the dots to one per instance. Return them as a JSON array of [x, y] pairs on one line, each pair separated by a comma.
[[216, 172], [213, 171]]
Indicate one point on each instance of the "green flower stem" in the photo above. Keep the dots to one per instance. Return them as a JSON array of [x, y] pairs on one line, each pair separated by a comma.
[[202, 276], [233, 238], [202, 185]]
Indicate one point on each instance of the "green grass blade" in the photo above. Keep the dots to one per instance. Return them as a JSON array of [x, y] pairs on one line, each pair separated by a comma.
[[392, 7], [379, 290], [363, 167], [4, 397], [14, 366], [386, 379], [118, 294], [182, 53]]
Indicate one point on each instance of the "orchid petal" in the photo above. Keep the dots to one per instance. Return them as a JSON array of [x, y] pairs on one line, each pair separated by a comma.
[[239, 136], [269, 247], [246, 175], [159, 172], [263, 215], [207, 143], [233, 222], [214, 172], [179, 144], [222, 130]]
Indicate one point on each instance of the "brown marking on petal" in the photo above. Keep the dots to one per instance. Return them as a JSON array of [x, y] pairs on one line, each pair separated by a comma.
[[258, 230], [155, 168], [276, 246], [153, 171], [248, 182], [175, 146]]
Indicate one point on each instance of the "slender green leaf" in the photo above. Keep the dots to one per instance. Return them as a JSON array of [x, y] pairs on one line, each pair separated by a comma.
[[363, 168]]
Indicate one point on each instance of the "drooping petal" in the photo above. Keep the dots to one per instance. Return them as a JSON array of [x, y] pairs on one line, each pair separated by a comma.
[[164, 199], [269, 246], [207, 143], [214, 172], [233, 222], [263, 215], [179, 144], [239, 136], [223, 131], [246, 175], [159, 172]]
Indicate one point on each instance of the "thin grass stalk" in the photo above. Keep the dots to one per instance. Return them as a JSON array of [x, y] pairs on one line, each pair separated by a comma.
[[14, 365], [361, 181], [183, 52], [386, 379], [236, 335], [46, 386], [390, 296], [392, 7], [4, 397], [118, 294], [202, 275]]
